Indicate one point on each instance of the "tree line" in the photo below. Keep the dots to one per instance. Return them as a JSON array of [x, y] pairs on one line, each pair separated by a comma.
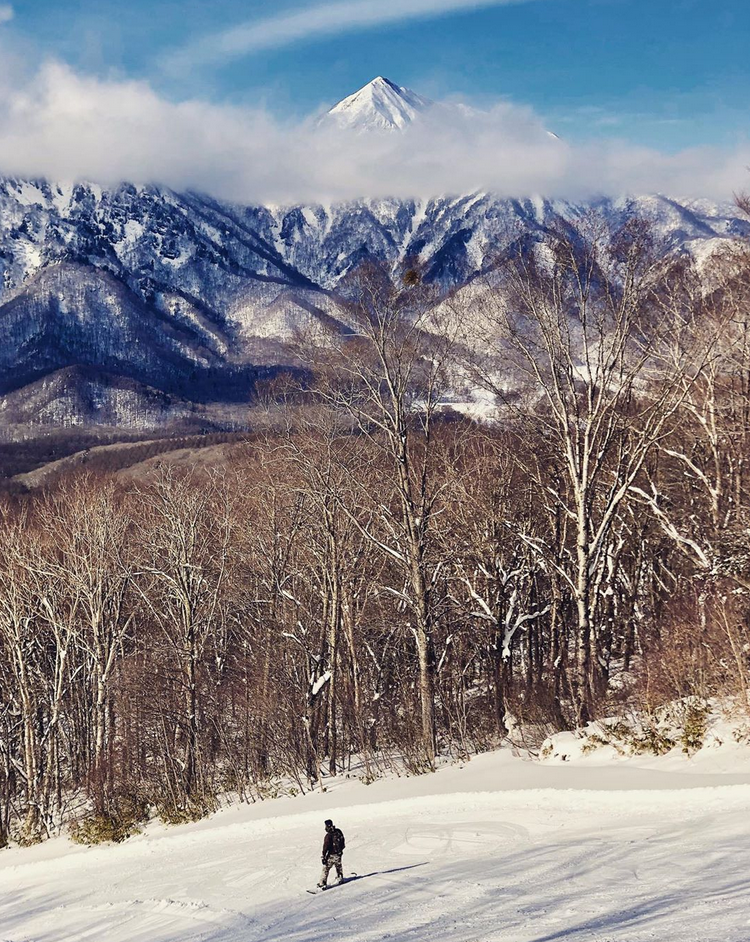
[[380, 578]]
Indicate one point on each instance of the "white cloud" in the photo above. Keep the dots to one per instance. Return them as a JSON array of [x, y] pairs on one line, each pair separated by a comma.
[[63, 125], [322, 19], [6, 13]]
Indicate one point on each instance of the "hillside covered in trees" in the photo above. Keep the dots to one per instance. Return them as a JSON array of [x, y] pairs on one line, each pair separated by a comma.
[[379, 574]]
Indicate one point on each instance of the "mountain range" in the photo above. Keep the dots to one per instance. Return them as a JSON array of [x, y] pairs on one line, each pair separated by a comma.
[[136, 307]]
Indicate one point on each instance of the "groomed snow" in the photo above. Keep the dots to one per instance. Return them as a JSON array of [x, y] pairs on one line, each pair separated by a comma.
[[500, 850]]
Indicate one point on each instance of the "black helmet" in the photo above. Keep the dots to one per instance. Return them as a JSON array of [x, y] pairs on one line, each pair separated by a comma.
[[328, 823]]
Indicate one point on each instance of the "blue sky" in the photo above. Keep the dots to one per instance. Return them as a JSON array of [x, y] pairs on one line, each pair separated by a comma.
[[646, 96], [668, 74]]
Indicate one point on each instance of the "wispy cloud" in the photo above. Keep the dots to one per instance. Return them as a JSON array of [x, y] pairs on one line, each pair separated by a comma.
[[310, 22], [6, 12]]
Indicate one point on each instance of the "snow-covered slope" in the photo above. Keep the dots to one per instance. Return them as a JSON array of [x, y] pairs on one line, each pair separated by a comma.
[[83, 396], [380, 105], [502, 850]]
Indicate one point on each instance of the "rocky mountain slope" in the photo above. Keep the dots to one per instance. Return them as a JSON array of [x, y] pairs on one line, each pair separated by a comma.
[[142, 289]]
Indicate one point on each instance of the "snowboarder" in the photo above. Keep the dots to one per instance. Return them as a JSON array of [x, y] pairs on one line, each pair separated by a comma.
[[333, 848]]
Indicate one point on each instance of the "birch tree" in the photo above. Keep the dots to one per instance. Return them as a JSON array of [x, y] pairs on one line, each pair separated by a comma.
[[92, 530], [389, 376], [188, 532], [577, 319]]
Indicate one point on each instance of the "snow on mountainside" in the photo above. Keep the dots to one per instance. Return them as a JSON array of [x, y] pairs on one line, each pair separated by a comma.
[[186, 294], [379, 105], [382, 105]]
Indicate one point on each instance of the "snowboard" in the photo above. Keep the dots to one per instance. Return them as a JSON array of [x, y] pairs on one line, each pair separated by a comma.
[[322, 889]]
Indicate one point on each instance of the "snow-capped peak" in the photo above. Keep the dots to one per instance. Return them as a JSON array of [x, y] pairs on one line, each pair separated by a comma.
[[379, 105]]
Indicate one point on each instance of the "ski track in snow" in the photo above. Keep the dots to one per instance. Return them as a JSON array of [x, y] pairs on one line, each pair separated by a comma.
[[473, 854]]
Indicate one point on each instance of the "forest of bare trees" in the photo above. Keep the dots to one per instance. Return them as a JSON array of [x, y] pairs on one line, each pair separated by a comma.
[[380, 579]]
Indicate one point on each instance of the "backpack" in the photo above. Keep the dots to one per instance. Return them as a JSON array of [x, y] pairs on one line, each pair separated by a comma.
[[337, 841]]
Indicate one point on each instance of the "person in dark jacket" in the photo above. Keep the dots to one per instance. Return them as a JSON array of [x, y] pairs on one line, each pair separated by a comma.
[[333, 849]]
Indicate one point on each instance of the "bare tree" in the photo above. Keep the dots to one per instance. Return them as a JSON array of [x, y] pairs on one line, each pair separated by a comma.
[[577, 319], [93, 531], [188, 525], [698, 491], [389, 377]]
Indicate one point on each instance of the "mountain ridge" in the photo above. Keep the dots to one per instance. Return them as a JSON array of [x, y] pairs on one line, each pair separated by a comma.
[[199, 298]]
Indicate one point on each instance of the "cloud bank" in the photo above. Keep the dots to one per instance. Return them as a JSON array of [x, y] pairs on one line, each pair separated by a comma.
[[6, 13], [63, 125]]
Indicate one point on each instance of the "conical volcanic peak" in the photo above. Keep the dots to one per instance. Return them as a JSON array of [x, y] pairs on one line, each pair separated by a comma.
[[380, 105]]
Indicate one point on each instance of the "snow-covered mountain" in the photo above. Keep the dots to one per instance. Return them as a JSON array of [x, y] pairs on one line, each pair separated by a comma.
[[147, 289], [380, 105]]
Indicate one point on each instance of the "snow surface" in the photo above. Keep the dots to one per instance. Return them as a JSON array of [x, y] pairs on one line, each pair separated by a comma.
[[499, 850]]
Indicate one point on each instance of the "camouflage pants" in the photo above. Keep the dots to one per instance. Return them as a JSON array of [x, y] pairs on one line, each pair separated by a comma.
[[332, 860]]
